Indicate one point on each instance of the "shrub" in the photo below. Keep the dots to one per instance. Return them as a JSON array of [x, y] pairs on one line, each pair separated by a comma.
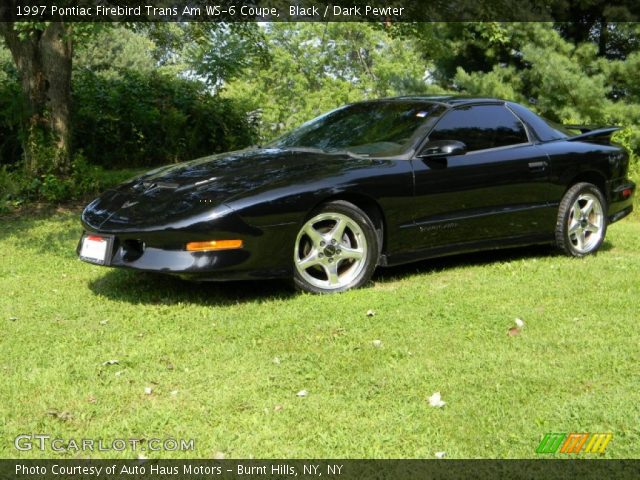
[[83, 181], [120, 126], [145, 119]]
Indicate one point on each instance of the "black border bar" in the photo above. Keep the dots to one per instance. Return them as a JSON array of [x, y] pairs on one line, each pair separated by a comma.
[[318, 10], [329, 469]]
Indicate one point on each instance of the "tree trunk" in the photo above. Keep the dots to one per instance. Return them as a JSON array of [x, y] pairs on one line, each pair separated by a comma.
[[603, 40], [43, 59]]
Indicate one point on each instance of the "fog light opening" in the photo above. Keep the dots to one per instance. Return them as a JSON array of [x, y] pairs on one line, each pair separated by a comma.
[[132, 250]]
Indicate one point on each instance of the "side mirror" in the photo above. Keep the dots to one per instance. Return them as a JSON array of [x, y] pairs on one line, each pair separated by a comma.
[[442, 148]]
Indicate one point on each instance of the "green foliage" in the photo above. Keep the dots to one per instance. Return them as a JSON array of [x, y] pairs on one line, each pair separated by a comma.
[[44, 156], [53, 188], [567, 85], [214, 52], [8, 189], [238, 46], [128, 109], [501, 82], [127, 113], [144, 119], [564, 81], [315, 67], [629, 138], [113, 50], [137, 103], [83, 180]]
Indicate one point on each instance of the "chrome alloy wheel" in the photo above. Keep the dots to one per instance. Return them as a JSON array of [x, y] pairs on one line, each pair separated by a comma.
[[586, 223], [330, 251]]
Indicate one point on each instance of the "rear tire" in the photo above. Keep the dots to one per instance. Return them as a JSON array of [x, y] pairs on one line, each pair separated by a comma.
[[582, 220], [336, 249]]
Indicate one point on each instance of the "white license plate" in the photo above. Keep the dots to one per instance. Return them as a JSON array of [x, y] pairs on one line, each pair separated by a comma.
[[94, 248]]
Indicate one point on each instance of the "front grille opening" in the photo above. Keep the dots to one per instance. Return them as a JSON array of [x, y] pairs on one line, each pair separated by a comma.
[[132, 250]]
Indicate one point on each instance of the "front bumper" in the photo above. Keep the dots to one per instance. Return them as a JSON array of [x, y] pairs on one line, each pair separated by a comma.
[[135, 254], [262, 256]]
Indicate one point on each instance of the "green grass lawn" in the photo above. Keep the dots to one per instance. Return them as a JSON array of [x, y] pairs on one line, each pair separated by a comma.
[[225, 361]]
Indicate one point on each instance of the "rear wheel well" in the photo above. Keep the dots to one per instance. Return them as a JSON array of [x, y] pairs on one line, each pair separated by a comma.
[[368, 206], [594, 178]]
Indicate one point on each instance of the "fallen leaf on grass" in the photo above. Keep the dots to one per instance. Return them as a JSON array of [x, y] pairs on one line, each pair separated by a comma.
[[436, 401], [517, 330], [513, 331], [278, 408], [91, 399], [338, 332], [64, 416]]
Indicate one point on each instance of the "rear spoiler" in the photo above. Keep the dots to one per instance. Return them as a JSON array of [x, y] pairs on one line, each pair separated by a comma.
[[592, 133]]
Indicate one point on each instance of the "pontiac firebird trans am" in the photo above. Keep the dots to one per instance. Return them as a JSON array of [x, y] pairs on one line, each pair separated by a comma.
[[379, 182]]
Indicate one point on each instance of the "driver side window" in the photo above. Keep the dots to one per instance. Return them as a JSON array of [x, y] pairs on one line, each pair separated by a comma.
[[481, 127]]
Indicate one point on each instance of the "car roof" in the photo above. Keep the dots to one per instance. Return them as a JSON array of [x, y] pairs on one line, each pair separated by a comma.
[[447, 100], [537, 125]]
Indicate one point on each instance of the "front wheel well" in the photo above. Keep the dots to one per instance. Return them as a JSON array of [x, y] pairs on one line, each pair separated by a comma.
[[368, 206]]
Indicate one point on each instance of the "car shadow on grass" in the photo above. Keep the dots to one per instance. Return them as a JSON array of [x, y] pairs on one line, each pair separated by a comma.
[[157, 289], [50, 230], [481, 258]]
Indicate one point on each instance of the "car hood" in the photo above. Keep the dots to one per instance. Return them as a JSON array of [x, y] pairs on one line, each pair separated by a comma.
[[172, 192]]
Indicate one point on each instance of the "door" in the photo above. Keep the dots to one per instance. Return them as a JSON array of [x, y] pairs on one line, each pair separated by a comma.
[[499, 188]]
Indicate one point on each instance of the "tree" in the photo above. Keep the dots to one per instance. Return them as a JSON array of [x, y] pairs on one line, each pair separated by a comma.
[[315, 67], [536, 64], [111, 51], [42, 54]]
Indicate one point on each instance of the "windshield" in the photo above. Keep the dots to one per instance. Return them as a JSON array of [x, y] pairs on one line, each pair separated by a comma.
[[371, 128]]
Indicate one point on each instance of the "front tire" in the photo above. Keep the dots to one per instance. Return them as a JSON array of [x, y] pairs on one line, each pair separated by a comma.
[[335, 250], [582, 220]]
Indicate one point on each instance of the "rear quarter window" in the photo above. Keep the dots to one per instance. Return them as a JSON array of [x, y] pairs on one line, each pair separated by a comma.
[[481, 127]]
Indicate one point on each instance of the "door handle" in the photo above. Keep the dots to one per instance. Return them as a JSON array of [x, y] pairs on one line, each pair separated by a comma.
[[538, 166]]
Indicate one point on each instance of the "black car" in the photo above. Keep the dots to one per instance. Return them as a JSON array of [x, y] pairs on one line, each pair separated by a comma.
[[379, 182]]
